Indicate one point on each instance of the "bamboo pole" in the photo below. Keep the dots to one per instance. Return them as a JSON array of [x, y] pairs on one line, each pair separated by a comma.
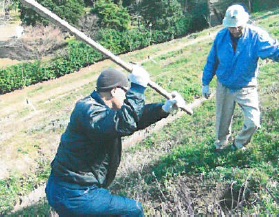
[[44, 12]]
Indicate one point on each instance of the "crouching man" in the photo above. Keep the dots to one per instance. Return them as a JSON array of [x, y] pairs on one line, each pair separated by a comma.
[[90, 149]]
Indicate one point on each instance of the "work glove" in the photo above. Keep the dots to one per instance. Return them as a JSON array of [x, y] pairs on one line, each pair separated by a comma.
[[206, 91], [174, 103], [139, 76]]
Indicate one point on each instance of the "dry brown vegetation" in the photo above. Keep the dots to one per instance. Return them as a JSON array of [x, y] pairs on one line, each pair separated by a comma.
[[32, 120]]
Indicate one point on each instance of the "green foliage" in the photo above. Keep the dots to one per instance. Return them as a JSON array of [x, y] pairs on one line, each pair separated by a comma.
[[88, 3], [183, 25], [200, 157], [22, 75], [112, 40], [70, 10], [161, 14], [111, 15], [136, 39], [250, 177], [257, 5], [40, 207], [11, 5], [159, 36], [19, 76], [17, 185], [198, 12], [8, 191], [256, 187], [189, 141], [129, 3], [79, 55]]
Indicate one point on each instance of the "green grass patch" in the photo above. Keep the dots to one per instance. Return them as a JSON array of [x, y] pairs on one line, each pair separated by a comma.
[[186, 146]]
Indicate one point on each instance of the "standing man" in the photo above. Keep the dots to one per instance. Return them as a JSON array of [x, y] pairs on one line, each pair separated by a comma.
[[89, 152], [234, 60]]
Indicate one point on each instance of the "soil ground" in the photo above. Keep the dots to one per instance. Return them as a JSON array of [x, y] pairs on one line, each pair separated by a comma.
[[7, 32]]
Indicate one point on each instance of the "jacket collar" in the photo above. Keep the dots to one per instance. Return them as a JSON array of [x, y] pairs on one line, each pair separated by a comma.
[[241, 40], [97, 97]]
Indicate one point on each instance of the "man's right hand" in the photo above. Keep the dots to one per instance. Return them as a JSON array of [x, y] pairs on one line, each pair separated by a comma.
[[206, 91], [139, 76]]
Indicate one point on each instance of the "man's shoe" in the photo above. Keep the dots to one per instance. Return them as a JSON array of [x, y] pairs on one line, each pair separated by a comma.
[[221, 148], [235, 148]]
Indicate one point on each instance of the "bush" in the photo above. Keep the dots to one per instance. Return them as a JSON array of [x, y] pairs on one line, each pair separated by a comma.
[[80, 55], [111, 15], [70, 10], [19, 76], [183, 26]]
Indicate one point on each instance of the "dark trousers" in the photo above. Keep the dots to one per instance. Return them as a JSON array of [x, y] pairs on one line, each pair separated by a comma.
[[70, 200]]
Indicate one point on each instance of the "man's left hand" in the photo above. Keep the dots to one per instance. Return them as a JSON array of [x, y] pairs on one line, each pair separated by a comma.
[[174, 103]]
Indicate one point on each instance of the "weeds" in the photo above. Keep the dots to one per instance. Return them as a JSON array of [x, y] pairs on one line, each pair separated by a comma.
[[176, 171]]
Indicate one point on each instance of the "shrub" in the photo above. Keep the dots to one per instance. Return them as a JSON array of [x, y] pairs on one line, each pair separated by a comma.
[[70, 10], [111, 15]]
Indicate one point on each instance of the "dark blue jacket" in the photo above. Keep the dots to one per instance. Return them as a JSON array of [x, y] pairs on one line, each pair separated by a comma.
[[89, 152]]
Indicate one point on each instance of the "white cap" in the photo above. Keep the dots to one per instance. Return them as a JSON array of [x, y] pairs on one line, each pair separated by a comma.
[[235, 16]]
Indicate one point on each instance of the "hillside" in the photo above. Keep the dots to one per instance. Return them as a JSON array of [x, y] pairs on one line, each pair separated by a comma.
[[174, 170]]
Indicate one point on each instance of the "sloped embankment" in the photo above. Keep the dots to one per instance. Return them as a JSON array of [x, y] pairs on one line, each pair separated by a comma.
[[174, 171]]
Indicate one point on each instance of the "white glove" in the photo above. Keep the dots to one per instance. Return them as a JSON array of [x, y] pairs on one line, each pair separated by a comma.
[[139, 76], [174, 103], [206, 91]]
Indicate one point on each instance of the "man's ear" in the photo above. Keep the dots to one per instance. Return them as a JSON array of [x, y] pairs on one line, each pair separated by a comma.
[[113, 92]]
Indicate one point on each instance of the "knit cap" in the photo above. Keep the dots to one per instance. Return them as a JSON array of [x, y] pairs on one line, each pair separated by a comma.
[[111, 78]]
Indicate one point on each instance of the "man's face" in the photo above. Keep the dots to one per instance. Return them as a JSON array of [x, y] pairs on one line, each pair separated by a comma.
[[236, 32], [119, 95]]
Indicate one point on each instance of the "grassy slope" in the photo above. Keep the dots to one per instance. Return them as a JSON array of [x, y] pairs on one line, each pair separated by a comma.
[[175, 171]]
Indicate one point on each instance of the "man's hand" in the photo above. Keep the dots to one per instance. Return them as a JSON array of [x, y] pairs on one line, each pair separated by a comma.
[[206, 91], [139, 76], [174, 103]]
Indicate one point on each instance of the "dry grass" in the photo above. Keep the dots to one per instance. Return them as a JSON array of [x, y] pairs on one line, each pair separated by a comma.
[[39, 130]]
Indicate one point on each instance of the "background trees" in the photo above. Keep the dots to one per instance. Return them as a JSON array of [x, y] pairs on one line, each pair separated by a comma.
[[119, 25], [70, 10], [111, 15], [174, 17], [162, 14]]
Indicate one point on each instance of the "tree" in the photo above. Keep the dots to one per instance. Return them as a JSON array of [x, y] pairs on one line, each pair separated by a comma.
[[70, 10], [89, 3], [161, 14], [199, 11], [111, 15]]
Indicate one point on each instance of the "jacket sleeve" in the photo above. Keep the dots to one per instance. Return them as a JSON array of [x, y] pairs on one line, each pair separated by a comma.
[[267, 47], [151, 114], [99, 119], [211, 65]]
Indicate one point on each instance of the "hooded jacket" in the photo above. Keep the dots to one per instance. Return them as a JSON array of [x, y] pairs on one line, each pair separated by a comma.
[[239, 69], [89, 152]]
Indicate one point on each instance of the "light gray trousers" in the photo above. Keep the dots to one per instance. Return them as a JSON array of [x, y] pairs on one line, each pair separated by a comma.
[[248, 100]]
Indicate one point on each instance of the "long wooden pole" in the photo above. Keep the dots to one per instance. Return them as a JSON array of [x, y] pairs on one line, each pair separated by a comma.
[[80, 35]]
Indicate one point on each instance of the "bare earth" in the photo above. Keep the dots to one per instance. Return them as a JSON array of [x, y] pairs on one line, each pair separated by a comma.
[[7, 32]]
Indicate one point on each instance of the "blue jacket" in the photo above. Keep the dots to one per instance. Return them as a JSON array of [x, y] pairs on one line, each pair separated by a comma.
[[238, 69], [89, 152]]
